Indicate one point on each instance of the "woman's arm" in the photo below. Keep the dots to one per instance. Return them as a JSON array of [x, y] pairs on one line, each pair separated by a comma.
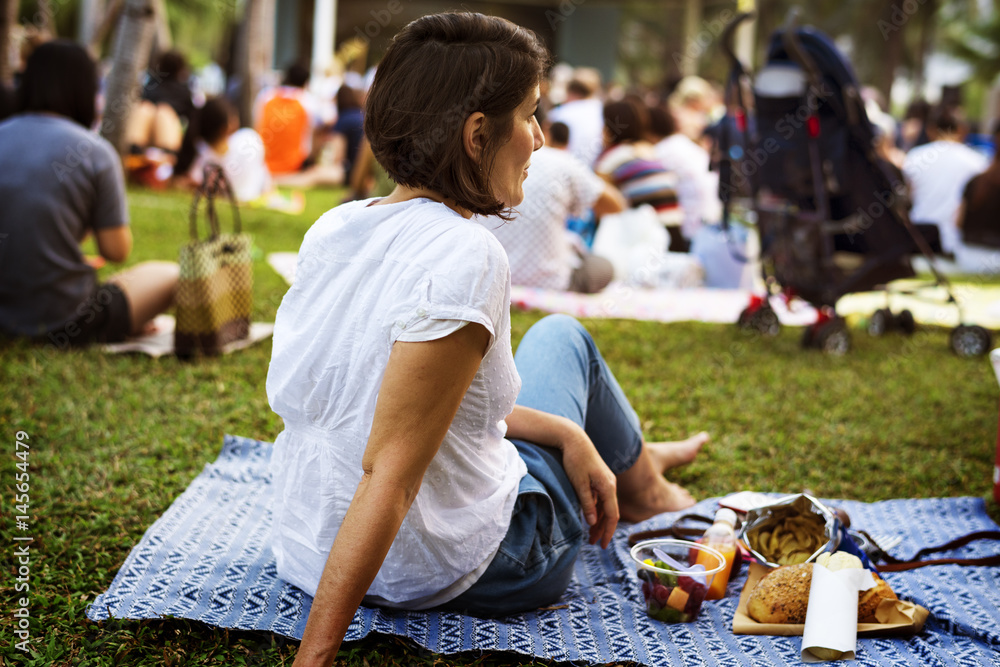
[[114, 243], [611, 200], [593, 481], [421, 390]]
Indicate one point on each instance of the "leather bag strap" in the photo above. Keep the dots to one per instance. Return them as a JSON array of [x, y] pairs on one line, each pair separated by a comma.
[[893, 564], [213, 184], [677, 530]]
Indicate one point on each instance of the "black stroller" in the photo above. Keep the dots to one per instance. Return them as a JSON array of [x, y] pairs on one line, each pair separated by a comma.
[[830, 213]]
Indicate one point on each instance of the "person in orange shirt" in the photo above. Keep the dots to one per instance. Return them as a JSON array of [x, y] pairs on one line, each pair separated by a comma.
[[286, 117], [290, 121]]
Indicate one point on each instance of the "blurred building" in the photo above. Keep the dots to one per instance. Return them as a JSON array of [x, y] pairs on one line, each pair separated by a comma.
[[580, 32]]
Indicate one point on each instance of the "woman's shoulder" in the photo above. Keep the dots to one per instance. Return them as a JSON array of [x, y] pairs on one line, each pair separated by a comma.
[[444, 237], [58, 135], [416, 228]]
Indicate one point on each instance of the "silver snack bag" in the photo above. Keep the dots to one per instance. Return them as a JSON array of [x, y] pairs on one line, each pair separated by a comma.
[[793, 529]]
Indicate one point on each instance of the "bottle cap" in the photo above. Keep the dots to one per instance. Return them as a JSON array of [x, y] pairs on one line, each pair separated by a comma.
[[726, 515]]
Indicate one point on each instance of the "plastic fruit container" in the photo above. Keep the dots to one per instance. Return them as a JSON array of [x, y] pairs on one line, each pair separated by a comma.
[[675, 576]]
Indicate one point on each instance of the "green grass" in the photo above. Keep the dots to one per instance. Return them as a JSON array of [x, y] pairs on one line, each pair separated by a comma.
[[114, 439]]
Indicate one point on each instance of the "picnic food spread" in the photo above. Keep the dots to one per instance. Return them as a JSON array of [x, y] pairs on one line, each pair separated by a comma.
[[783, 595], [829, 593]]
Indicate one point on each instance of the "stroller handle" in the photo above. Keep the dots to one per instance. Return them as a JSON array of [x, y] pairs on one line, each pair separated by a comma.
[[729, 34], [793, 46], [792, 19]]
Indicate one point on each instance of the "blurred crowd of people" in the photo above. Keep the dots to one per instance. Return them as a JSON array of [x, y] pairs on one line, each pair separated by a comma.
[[64, 185], [658, 152], [297, 138], [610, 151]]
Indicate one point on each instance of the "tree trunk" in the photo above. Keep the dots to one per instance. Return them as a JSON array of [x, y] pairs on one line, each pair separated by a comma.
[[690, 50], [929, 10], [254, 53], [163, 40], [8, 17], [130, 58], [893, 52], [89, 19]]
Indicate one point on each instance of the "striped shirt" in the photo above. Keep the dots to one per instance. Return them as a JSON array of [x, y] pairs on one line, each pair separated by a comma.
[[635, 170]]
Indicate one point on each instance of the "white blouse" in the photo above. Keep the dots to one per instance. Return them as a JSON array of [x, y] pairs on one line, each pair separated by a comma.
[[367, 277]]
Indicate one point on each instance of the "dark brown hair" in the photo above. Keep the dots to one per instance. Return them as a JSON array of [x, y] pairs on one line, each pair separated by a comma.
[[661, 122], [210, 124], [947, 119], [172, 66], [626, 121], [436, 72], [579, 88], [297, 75], [60, 78], [560, 133]]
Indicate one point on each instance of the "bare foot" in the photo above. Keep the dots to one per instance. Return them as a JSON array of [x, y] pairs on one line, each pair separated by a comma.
[[667, 455], [678, 497], [660, 496]]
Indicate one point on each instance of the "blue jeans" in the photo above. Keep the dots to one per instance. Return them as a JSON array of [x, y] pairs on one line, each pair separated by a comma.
[[562, 373]]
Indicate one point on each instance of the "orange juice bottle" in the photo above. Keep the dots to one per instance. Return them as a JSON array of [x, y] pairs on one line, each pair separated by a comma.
[[721, 536]]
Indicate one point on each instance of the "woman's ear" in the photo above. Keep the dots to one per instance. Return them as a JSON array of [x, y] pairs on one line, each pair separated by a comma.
[[472, 135]]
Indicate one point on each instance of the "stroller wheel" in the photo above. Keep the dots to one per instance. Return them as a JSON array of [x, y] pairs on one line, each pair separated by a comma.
[[809, 336], [970, 340], [905, 322], [833, 338], [880, 322], [744, 319], [763, 321]]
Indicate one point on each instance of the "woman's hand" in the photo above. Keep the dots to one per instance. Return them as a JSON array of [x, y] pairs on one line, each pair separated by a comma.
[[595, 485]]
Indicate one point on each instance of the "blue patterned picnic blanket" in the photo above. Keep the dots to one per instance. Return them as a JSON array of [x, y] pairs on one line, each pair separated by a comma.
[[207, 559]]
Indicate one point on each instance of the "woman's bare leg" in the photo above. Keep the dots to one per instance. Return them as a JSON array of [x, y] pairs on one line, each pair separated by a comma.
[[139, 128], [167, 131], [644, 492], [150, 288]]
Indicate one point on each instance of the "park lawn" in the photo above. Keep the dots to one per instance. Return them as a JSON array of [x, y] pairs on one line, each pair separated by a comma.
[[114, 439]]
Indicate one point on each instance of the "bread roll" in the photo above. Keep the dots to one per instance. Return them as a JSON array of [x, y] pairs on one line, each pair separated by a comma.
[[782, 596], [869, 600]]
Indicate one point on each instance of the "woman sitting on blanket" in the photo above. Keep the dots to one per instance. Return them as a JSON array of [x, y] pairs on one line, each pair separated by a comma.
[[61, 184], [421, 465]]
